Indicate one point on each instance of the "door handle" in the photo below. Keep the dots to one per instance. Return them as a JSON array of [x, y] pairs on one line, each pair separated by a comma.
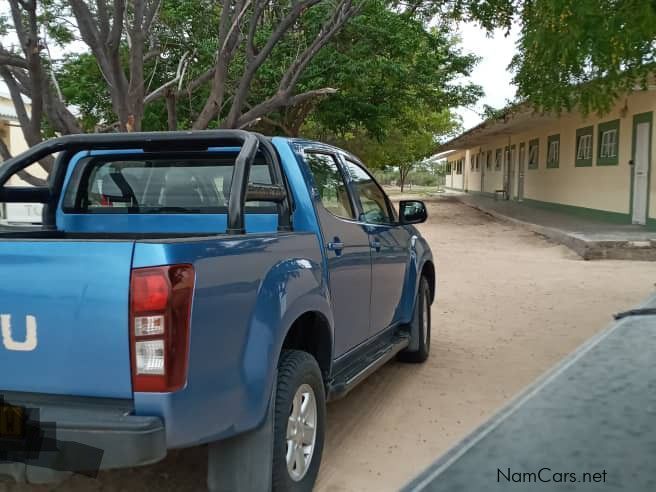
[[336, 245], [375, 244]]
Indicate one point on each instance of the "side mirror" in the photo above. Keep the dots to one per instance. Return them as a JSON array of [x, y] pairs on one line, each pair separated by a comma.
[[412, 212]]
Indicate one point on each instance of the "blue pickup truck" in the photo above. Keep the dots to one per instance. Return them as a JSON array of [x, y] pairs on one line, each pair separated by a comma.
[[193, 288]]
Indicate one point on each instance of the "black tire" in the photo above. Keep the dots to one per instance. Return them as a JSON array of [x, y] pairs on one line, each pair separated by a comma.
[[295, 369], [422, 330]]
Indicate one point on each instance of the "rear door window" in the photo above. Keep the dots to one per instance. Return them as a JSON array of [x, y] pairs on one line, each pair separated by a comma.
[[330, 184]]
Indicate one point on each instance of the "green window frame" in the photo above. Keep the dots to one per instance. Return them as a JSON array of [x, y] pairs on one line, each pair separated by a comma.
[[533, 153], [553, 151], [608, 143], [497, 160], [584, 145]]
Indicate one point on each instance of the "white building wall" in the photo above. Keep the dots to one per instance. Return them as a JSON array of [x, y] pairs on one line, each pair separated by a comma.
[[599, 187]]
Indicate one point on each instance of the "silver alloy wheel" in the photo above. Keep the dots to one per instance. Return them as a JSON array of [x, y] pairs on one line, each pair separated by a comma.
[[301, 432], [426, 317]]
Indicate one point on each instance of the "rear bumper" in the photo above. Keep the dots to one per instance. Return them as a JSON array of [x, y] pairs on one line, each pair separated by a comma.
[[71, 434]]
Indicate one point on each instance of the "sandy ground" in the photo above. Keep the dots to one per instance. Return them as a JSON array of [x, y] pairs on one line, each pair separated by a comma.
[[509, 306]]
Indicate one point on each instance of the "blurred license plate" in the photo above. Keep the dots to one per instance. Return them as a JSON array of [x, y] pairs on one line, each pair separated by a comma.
[[12, 421]]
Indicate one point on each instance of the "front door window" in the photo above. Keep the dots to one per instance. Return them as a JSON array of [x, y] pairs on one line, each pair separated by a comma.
[[375, 207]]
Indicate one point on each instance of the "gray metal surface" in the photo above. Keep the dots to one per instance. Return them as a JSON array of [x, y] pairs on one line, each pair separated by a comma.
[[593, 413]]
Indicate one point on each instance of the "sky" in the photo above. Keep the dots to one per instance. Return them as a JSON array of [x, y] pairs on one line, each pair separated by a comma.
[[491, 72]]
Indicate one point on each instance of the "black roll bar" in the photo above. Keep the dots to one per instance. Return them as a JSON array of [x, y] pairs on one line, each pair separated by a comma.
[[239, 185], [284, 205], [149, 142]]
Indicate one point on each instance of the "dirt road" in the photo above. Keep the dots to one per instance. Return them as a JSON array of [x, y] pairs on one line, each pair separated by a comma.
[[509, 306]]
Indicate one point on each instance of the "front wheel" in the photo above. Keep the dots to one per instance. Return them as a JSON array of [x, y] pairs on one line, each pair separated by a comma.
[[300, 417], [421, 326]]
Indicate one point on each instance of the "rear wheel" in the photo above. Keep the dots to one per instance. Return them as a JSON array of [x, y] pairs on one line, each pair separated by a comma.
[[300, 416], [421, 326]]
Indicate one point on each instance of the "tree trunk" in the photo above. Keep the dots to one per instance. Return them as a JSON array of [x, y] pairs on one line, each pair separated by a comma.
[[171, 111], [403, 175]]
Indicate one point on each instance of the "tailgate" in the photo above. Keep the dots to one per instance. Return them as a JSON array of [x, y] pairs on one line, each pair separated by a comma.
[[64, 307]]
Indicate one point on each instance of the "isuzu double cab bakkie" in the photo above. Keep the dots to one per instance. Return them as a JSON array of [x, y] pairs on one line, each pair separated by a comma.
[[194, 288]]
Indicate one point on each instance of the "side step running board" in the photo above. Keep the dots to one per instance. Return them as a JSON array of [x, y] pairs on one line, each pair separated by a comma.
[[353, 375]]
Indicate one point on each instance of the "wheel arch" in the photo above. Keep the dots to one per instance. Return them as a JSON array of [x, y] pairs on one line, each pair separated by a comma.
[[311, 332], [428, 271]]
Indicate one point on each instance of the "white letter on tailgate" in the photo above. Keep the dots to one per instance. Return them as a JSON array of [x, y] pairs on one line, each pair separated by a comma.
[[30, 334]]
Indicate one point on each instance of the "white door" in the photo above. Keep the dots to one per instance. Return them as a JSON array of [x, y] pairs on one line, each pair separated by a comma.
[[641, 172]]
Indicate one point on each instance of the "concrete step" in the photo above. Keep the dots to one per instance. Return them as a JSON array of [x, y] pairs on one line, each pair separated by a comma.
[[589, 248]]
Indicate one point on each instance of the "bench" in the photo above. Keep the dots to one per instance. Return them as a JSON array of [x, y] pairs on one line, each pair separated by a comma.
[[500, 192]]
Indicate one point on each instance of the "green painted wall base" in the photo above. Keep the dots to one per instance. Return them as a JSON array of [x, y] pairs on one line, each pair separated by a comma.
[[488, 194], [588, 213]]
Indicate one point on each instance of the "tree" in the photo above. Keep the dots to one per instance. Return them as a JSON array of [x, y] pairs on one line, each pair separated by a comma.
[[406, 65], [124, 35], [232, 63], [584, 54], [410, 139], [409, 148], [27, 72], [391, 117]]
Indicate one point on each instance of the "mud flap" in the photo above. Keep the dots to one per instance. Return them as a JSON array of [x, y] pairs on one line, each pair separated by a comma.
[[413, 346], [244, 462]]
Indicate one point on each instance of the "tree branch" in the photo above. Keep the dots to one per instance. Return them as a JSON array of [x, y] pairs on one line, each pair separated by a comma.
[[255, 62], [272, 122], [343, 12], [258, 10], [228, 41], [19, 106], [30, 179], [151, 14], [4, 150], [200, 80], [179, 74], [171, 111], [300, 98], [7, 58], [114, 40], [278, 101]]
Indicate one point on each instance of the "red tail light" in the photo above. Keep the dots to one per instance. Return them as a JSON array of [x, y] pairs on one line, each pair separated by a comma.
[[160, 311]]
